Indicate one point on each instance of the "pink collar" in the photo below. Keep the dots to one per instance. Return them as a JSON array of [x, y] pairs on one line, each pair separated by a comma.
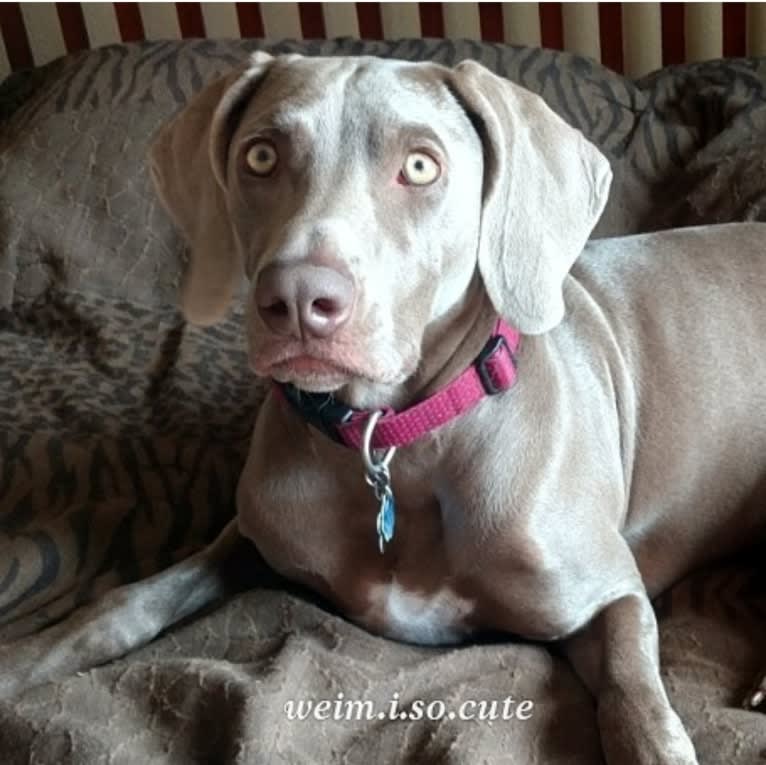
[[493, 371]]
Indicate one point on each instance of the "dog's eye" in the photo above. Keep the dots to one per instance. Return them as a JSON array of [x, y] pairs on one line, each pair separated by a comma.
[[420, 169], [261, 158]]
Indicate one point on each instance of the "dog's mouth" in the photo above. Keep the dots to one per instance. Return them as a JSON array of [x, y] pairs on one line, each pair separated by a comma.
[[324, 368], [312, 369], [313, 374]]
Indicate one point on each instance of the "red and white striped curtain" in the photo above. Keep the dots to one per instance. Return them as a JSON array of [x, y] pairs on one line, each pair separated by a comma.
[[633, 38]]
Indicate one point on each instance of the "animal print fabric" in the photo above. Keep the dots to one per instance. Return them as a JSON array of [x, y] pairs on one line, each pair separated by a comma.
[[123, 430]]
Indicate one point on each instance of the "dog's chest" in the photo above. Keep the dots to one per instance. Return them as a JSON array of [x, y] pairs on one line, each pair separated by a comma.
[[322, 532], [438, 580]]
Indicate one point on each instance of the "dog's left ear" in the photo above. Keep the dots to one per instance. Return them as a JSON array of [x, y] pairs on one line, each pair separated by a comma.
[[545, 187]]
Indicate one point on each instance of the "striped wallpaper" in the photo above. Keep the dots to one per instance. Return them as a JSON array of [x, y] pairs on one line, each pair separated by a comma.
[[633, 38]]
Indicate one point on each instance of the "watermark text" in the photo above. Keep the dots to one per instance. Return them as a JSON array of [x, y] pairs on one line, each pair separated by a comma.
[[342, 709]]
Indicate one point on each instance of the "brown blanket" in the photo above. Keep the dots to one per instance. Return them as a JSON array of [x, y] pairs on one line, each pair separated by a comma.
[[123, 431]]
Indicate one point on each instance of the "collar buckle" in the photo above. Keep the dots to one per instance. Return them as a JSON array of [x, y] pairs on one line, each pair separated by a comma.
[[493, 363]]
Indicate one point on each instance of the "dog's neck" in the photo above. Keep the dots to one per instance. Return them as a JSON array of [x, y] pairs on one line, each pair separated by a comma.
[[451, 343], [452, 379]]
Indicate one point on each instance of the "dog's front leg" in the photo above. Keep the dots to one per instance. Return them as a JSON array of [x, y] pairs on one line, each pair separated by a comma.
[[123, 619], [617, 656]]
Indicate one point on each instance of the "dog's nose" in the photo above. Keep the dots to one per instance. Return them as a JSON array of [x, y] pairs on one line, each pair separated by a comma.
[[304, 300]]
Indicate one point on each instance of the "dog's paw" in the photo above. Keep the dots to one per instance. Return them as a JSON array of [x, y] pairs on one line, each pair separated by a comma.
[[756, 698], [640, 731]]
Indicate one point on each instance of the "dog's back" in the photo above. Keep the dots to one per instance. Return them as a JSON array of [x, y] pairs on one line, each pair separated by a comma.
[[685, 312]]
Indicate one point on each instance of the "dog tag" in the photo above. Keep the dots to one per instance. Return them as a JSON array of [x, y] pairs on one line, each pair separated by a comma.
[[377, 475], [386, 518]]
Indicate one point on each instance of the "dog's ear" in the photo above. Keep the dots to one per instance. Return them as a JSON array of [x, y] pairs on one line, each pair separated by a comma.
[[188, 166], [544, 189]]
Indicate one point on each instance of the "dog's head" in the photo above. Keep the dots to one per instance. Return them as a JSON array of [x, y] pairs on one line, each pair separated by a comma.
[[360, 197]]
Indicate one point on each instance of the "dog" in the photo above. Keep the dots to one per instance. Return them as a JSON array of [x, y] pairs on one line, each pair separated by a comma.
[[491, 422]]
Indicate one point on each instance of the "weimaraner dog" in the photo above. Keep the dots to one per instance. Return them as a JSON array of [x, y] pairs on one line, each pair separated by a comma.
[[578, 424]]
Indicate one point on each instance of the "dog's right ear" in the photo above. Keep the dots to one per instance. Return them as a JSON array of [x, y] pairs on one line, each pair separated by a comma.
[[545, 187], [188, 166]]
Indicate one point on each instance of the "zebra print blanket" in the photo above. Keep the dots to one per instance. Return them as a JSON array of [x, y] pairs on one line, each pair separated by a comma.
[[122, 432]]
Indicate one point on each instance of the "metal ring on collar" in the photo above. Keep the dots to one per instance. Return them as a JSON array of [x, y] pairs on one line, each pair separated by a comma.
[[372, 466]]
